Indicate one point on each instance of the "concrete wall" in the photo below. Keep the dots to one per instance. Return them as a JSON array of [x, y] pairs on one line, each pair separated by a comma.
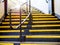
[[1, 10], [57, 8]]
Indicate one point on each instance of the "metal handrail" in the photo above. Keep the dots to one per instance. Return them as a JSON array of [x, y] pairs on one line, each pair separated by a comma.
[[23, 20]]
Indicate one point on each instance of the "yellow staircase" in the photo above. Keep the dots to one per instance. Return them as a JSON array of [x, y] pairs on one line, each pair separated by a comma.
[[42, 28]]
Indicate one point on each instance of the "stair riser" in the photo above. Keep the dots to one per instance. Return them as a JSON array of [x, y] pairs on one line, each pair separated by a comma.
[[43, 40]]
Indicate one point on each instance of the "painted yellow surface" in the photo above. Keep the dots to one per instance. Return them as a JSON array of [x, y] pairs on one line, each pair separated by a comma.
[[10, 36], [23, 26], [43, 36], [25, 16], [32, 22], [46, 30], [6, 44], [11, 30], [37, 44], [14, 23]]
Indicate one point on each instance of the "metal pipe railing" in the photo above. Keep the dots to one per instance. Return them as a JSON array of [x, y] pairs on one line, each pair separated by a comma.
[[19, 26], [10, 18], [29, 13]]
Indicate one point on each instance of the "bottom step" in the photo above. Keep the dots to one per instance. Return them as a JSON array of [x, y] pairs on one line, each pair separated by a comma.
[[33, 43]]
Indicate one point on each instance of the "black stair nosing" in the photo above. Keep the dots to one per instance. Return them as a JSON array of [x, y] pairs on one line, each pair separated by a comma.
[[44, 40], [10, 39], [8, 29], [43, 28], [10, 33], [44, 33]]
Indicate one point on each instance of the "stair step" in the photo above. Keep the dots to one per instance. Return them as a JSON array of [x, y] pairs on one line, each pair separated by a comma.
[[30, 43], [33, 19], [42, 36], [35, 14], [9, 36], [34, 22], [37, 44], [33, 26], [10, 31], [32, 16], [13, 22], [45, 30], [4, 43]]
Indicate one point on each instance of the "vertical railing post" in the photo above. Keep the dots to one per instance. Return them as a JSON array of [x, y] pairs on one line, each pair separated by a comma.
[[20, 27], [10, 18], [30, 17], [53, 11], [5, 7], [30, 6]]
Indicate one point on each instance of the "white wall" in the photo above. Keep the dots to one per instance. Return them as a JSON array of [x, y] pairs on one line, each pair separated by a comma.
[[1, 10], [57, 6], [41, 5]]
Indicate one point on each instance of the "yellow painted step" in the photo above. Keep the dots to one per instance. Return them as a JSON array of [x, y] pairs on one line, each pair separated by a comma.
[[42, 36], [34, 14], [10, 31], [13, 22], [10, 36], [33, 26], [12, 26], [45, 30], [34, 22], [45, 18], [33, 19], [36, 44], [25, 16], [16, 17], [45, 25], [36, 26], [13, 19], [45, 22], [6, 43]]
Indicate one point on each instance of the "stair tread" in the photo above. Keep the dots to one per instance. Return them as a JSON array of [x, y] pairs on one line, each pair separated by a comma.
[[37, 22], [34, 19], [39, 14], [25, 16], [32, 26], [45, 30], [10, 31], [42, 36], [9, 36], [13, 22], [4, 43]]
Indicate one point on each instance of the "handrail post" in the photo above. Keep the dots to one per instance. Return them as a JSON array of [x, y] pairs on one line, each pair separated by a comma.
[[10, 19], [20, 27], [5, 8], [30, 6]]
